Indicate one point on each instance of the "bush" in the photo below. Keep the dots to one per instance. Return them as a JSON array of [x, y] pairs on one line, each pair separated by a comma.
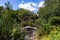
[[55, 34], [54, 21]]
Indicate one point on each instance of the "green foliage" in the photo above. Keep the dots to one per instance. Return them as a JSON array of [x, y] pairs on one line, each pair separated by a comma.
[[48, 15], [11, 21], [1, 8], [51, 8], [54, 21], [17, 34], [26, 17], [44, 29], [55, 34]]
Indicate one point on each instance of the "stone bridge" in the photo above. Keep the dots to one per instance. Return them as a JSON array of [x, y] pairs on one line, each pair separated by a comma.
[[30, 33]]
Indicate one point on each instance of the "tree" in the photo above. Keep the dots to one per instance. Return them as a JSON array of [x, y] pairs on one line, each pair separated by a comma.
[[1, 8], [54, 21], [25, 17], [8, 6], [51, 10]]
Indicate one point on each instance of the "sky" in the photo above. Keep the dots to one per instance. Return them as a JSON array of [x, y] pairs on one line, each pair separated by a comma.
[[31, 5]]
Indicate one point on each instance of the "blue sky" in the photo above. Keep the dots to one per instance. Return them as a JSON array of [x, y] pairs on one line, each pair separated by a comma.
[[31, 5]]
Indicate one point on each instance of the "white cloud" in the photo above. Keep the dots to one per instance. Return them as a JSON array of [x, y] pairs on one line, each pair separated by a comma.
[[41, 4], [28, 6], [31, 5], [34, 4]]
